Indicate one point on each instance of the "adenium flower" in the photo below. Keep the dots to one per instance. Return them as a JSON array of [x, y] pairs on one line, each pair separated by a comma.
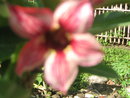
[[58, 41]]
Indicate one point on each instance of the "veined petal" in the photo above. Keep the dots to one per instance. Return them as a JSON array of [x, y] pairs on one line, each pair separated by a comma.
[[87, 49], [60, 72], [29, 22], [74, 15], [31, 56]]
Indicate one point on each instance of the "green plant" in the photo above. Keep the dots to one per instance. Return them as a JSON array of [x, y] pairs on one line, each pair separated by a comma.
[[128, 43], [80, 82], [103, 42], [118, 59], [124, 93]]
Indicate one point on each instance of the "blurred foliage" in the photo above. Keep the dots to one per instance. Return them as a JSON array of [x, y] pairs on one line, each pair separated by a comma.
[[109, 20], [18, 2], [8, 42], [10, 89], [48, 3], [102, 70]]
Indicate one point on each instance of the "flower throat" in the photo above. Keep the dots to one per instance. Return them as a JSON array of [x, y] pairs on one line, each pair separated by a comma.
[[57, 39]]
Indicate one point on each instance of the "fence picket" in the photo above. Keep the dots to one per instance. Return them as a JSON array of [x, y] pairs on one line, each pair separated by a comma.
[[119, 35]]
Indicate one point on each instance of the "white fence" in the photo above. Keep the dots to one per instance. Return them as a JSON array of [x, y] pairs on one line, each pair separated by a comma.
[[119, 35]]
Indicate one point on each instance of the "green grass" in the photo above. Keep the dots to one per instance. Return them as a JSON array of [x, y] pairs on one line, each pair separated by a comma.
[[80, 83], [118, 59]]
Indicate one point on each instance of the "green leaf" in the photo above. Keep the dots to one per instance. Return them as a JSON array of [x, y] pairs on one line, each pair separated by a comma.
[[18, 2], [101, 70], [4, 11], [9, 89], [3, 21], [27, 3], [39, 79], [109, 21], [8, 43], [51, 3], [3, 15], [36, 3]]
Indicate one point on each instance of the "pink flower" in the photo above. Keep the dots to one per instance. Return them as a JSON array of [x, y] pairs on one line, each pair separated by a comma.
[[57, 41]]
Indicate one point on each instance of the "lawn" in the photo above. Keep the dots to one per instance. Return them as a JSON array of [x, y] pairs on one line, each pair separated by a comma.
[[118, 58]]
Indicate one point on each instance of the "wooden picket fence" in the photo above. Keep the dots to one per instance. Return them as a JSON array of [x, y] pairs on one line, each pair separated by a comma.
[[119, 35]]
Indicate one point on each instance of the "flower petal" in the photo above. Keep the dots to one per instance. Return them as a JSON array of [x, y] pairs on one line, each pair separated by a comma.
[[74, 15], [60, 72], [87, 49], [31, 56], [29, 22]]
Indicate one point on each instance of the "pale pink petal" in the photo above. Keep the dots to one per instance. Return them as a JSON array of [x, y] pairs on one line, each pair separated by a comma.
[[60, 72], [29, 22], [74, 15], [87, 49], [31, 56]]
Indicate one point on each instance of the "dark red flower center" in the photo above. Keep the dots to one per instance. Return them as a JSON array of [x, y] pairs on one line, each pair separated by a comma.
[[57, 39]]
